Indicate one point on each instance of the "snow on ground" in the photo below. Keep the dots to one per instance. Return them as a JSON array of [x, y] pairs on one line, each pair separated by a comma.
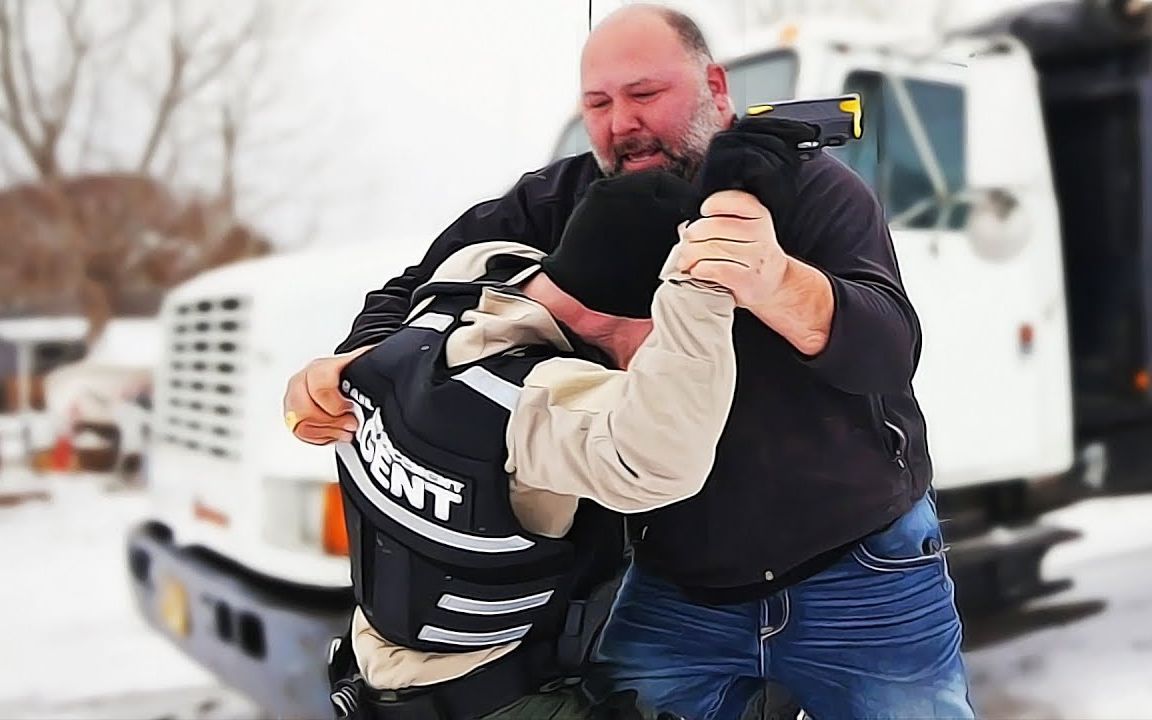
[[1111, 526], [1085, 653], [74, 647], [71, 633]]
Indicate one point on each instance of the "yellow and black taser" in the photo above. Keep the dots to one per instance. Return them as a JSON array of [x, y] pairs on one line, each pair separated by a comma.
[[839, 118]]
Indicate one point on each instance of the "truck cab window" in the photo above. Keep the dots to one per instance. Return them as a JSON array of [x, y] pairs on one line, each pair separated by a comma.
[[863, 155], [912, 153], [762, 79], [573, 140]]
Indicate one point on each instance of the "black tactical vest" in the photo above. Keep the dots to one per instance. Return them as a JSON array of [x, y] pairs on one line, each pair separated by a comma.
[[439, 561]]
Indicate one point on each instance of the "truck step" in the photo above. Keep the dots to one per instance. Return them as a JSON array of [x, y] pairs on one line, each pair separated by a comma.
[[1001, 541], [1001, 568]]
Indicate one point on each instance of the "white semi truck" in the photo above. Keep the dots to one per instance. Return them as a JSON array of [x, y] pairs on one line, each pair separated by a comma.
[[1015, 163], [243, 562]]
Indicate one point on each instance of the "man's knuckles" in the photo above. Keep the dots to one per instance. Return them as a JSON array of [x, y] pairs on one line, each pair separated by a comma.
[[323, 373], [717, 252], [323, 382], [731, 228], [321, 434], [727, 228], [732, 202], [717, 272]]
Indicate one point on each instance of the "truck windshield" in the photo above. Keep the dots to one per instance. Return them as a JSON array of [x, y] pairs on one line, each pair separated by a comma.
[[762, 78]]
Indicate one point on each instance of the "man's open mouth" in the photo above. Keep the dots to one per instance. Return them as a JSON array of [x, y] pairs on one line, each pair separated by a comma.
[[639, 157], [641, 154]]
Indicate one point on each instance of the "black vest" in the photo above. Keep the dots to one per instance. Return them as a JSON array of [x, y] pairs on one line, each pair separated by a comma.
[[439, 561]]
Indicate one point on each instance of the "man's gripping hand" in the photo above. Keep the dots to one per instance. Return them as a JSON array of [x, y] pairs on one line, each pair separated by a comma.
[[734, 246], [758, 155], [314, 409]]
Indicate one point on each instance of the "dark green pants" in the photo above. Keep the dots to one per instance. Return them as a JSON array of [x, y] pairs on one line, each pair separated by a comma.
[[569, 704], [562, 704], [771, 703]]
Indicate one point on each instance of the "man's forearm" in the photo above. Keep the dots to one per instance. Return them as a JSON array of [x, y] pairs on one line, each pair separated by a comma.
[[639, 439], [801, 309]]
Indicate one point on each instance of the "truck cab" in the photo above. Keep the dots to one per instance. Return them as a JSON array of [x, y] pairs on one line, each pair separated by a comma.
[[243, 562], [1012, 160], [1095, 83]]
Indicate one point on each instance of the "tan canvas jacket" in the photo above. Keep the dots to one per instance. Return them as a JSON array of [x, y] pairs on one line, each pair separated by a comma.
[[631, 440]]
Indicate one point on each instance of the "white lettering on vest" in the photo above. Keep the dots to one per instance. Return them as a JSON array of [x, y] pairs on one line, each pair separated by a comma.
[[395, 472]]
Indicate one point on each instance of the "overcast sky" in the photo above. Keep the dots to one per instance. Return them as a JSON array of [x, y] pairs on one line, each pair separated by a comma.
[[429, 107], [390, 118]]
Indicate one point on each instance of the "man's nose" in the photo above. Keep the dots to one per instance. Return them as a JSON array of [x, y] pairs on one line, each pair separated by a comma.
[[624, 119]]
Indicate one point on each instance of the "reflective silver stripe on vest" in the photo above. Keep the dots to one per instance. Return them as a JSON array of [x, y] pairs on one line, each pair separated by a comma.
[[433, 321], [437, 533], [431, 633], [495, 388], [470, 606]]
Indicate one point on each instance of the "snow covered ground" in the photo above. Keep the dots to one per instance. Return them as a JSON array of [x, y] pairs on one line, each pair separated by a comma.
[[73, 646], [1085, 653]]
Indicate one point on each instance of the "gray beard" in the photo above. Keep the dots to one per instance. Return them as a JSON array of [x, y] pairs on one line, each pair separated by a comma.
[[684, 161]]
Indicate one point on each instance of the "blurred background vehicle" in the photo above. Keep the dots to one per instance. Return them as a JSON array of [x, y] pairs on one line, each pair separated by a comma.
[[99, 405], [244, 561], [30, 348]]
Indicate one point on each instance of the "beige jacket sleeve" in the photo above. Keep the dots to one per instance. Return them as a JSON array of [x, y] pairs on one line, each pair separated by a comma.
[[631, 440]]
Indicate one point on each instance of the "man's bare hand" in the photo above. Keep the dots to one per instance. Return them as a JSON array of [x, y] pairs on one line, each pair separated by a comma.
[[734, 246], [314, 409]]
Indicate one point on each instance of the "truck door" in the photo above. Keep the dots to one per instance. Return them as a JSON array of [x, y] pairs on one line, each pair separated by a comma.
[[977, 380]]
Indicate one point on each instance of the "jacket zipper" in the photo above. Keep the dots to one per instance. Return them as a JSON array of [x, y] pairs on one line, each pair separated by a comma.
[[901, 445]]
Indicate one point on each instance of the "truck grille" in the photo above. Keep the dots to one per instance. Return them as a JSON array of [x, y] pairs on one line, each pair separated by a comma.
[[201, 404]]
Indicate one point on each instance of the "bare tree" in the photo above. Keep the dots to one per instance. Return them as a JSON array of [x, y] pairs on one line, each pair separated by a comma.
[[38, 105], [115, 208], [194, 61], [36, 121], [38, 97]]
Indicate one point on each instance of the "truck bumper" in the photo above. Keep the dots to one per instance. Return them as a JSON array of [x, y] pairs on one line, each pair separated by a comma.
[[268, 640]]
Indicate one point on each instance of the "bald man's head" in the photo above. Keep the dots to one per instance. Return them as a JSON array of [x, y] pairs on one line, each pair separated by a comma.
[[686, 30], [651, 95]]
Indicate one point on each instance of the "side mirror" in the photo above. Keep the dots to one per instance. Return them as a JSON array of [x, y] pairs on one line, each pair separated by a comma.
[[998, 225]]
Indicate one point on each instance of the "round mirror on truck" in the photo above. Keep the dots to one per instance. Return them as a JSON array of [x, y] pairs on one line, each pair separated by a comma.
[[997, 225]]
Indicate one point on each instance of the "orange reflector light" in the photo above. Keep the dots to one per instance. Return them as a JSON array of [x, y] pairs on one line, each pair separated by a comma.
[[335, 533], [206, 513], [1027, 336], [1141, 381]]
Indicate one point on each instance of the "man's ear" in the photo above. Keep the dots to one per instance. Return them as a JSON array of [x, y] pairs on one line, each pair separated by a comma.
[[717, 78]]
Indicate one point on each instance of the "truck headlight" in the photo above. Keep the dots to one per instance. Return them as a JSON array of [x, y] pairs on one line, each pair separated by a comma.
[[334, 532], [306, 515]]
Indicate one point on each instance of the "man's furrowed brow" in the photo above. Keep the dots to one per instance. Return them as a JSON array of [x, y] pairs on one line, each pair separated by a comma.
[[643, 81], [632, 85]]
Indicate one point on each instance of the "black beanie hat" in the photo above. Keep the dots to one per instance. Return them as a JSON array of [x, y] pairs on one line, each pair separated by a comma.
[[618, 238]]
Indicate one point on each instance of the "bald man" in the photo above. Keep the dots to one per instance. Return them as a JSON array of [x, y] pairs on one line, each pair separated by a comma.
[[813, 556]]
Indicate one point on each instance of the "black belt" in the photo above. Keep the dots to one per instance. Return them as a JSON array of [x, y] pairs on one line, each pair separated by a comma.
[[761, 590], [524, 671]]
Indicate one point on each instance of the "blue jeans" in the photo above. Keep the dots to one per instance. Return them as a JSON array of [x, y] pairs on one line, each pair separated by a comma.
[[874, 636]]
